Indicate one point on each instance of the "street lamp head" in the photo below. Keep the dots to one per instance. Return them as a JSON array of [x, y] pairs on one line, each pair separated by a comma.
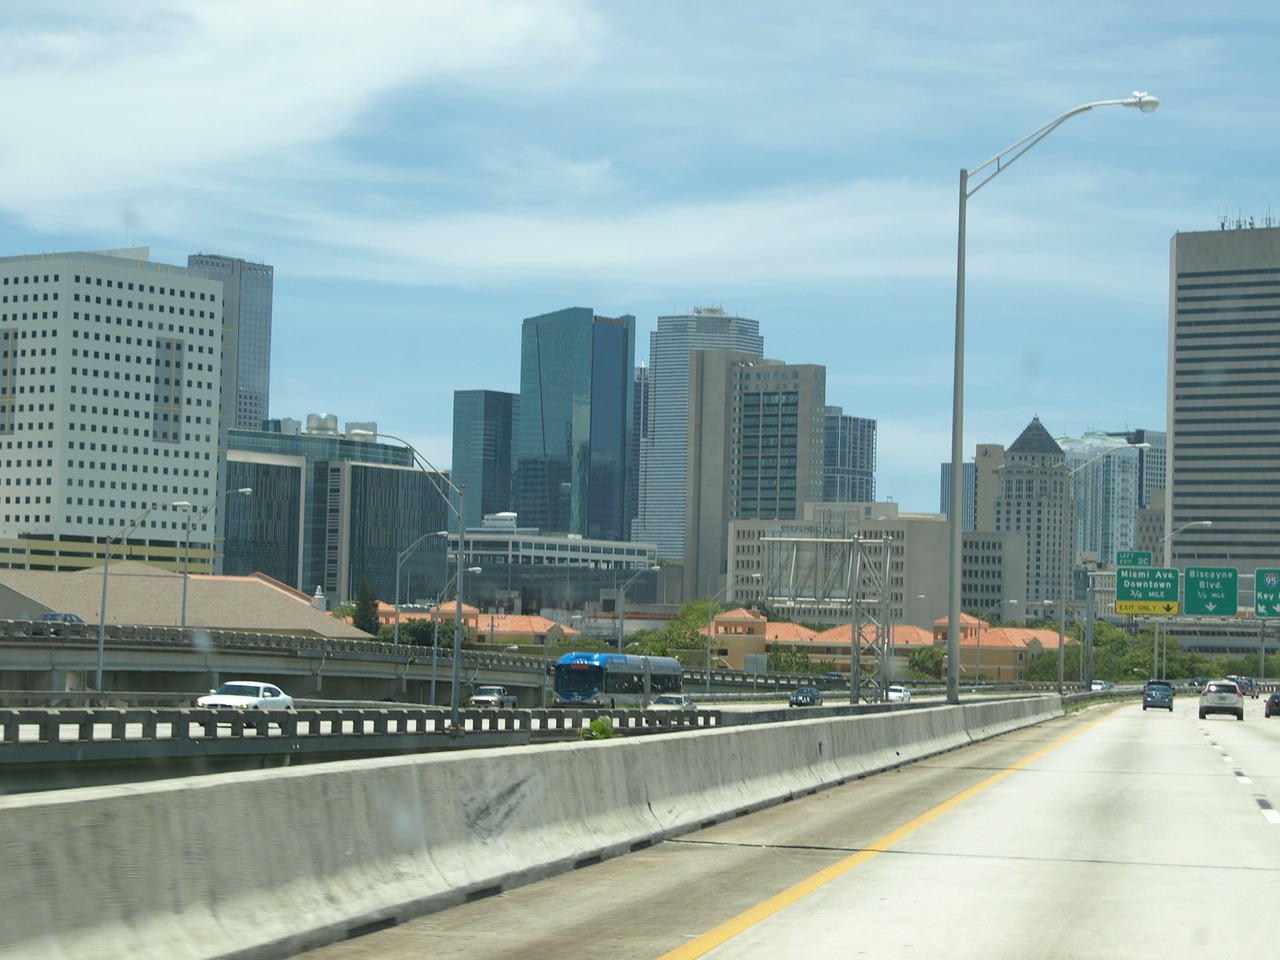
[[1140, 446], [1143, 101], [184, 504], [247, 491]]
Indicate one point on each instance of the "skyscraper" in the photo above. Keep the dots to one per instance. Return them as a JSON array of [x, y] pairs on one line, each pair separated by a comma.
[[1223, 405], [109, 373], [1032, 501], [756, 451], [987, 464], [246, 336], [573, 436], [849, 474], [968, 487], [483, 421], [330, 508], [664, 448], [1152, 462], [1105, 495]]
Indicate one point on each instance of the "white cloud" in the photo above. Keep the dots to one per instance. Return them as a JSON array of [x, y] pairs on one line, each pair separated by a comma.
[[160, 97]]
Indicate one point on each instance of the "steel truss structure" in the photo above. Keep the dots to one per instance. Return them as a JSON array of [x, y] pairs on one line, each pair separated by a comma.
[[817, 575]]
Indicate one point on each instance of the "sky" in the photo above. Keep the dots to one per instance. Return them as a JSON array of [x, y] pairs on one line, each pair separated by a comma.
[[424, 174]]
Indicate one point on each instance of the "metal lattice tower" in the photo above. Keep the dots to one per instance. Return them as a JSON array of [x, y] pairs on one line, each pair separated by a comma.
[[852, 572]]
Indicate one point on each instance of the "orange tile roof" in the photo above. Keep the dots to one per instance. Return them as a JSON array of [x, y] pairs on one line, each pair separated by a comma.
[[904, 635], [788, 631], [1014, 637]]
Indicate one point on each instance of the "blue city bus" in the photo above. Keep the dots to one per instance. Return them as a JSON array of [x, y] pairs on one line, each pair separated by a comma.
[[613, 679]]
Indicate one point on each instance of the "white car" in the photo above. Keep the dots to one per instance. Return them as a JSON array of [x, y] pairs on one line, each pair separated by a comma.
[[247, 695], [1222, 696], [897, 694], [673, 701]]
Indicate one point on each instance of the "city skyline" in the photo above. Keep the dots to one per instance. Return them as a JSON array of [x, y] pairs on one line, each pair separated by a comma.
[[438, 173]]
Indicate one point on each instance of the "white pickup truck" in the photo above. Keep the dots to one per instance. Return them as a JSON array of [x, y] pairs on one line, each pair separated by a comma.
[[491, 697]]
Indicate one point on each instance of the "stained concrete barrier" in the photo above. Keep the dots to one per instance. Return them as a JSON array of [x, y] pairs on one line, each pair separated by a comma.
[[265, 864]]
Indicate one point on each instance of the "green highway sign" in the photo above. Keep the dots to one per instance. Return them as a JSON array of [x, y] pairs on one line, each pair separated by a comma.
[[1210, 591], [1147, 590], [1266, 593], [1133, 558]]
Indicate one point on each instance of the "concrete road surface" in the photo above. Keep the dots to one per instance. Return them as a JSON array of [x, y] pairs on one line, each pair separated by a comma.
[[1111, 833]]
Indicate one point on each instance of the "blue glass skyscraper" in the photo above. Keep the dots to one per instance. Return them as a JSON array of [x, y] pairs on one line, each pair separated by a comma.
[[573, 450], [483, 421]]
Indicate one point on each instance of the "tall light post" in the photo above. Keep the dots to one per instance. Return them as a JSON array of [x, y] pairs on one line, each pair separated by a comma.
[[994, 166], [401, 557], [1167, 542], [711, 604], [1067, 552], [977, 653], [622, 603], [106, 561], [436, 478], [435, 630], [186, 553]]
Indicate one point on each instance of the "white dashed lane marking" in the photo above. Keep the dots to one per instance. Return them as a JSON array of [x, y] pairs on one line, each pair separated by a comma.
[[1269, 813]]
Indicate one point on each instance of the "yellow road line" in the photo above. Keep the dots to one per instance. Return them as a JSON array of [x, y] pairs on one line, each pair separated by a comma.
[[703, 944]]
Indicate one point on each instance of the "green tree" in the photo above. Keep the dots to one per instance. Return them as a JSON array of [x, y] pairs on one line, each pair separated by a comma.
[[927, 662], [789, 660], [366, 612]]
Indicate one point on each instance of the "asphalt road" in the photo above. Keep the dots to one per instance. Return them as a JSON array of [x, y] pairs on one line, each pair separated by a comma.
[[1113, 832]]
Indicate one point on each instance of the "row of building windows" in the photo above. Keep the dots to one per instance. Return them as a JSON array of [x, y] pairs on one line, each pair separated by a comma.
[[141, 287], [150, 307], [27, 298], [34, 278]]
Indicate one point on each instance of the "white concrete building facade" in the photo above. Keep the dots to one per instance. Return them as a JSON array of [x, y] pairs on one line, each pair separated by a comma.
[[110, 366]]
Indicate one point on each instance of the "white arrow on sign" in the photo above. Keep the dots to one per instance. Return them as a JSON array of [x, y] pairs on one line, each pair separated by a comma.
[[1211, 607]]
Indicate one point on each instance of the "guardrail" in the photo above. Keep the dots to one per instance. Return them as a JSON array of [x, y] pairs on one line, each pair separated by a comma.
[[33, 735]]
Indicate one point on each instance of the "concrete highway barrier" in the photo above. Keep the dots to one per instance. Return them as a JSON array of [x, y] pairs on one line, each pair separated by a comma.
[[268, 863]]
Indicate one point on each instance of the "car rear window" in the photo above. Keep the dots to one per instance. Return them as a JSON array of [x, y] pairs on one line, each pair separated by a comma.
[[1158, 688], [1223, 688]]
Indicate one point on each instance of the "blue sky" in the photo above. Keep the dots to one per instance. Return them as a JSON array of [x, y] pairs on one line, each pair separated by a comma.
[[423, 174]]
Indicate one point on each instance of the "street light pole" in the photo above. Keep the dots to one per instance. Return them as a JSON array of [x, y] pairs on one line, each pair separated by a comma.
[[711, 603], [977, 653], [400, 559], [106, 561], [436, 478], [622, 604], [1167, 542], [186, 553], [994, 167], [435, 639]]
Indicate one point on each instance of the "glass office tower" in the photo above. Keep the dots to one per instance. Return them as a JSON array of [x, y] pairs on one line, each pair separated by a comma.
[[329, 509], [247, 290], [664, 451], [573, 451], [849, 471], [483, 421]]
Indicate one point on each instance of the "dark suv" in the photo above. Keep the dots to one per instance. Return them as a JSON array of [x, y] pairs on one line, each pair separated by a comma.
[[53, 624], [806, 697], [1158, 693]]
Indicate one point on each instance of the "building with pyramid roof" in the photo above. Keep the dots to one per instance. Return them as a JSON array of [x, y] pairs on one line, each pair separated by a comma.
[[1032, 501]]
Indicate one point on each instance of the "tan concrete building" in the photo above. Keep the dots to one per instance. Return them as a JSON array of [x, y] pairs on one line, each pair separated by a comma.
[[756, 451]]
